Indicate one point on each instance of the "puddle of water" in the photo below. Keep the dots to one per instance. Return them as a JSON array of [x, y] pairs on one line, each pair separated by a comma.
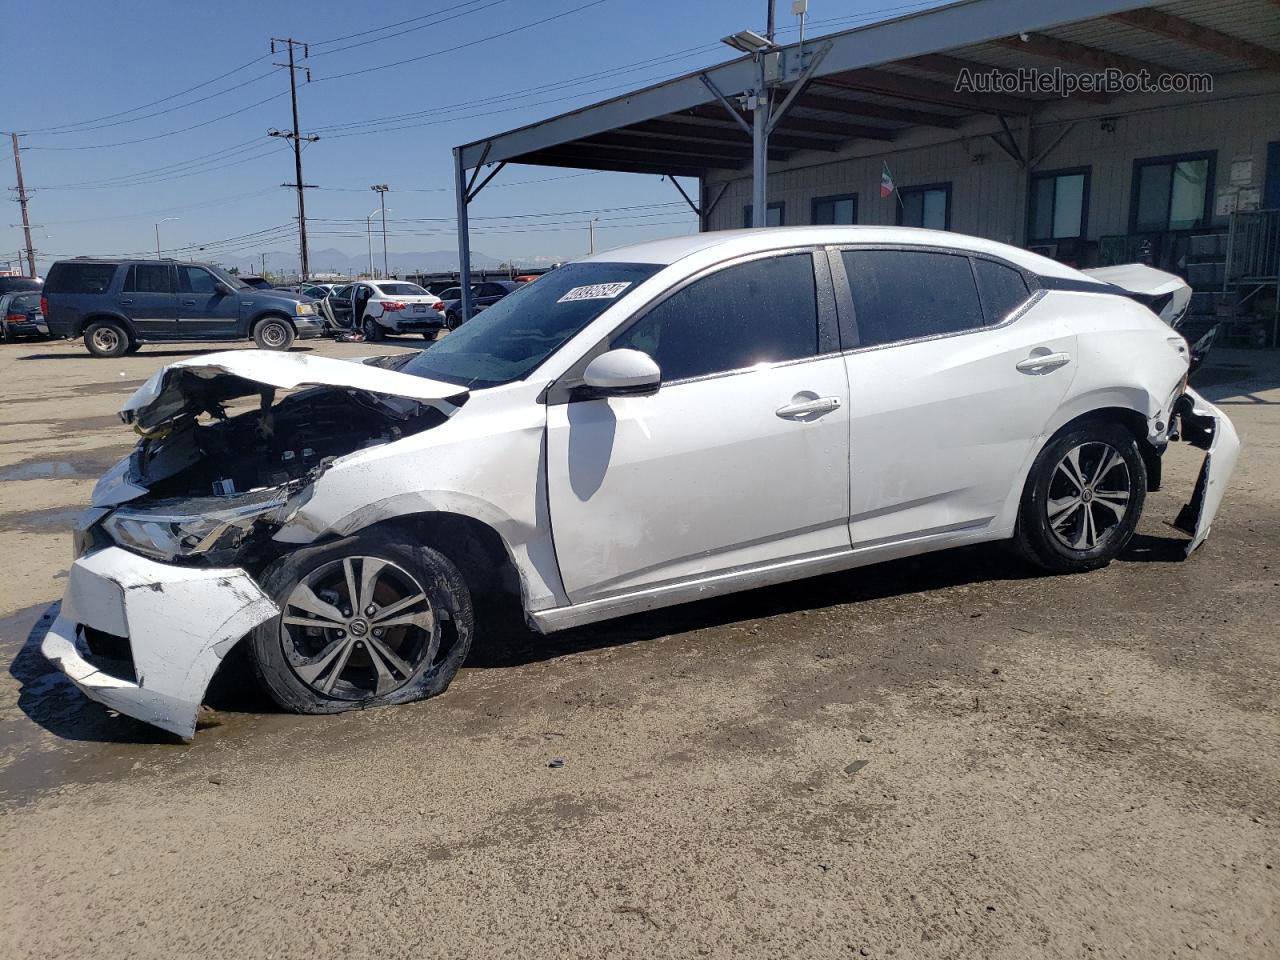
[[90, 465], [53, 736], [39, 470]]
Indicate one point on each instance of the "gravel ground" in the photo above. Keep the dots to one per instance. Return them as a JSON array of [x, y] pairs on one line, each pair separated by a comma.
[[942, 757]]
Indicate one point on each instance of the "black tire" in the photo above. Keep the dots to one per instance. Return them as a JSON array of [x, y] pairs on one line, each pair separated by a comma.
[[371, 329], [451, 321], [1083, 498], [273, 333], [426, 661], [106, 338], [5, 335], [431, 335]]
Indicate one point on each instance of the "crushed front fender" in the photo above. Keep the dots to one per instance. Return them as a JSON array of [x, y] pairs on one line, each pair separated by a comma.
[[167, 627], [1205, 426]]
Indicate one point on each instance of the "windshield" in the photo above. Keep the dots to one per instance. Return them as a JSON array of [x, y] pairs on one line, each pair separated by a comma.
[[235, 283], [402, 290], [510, 339]]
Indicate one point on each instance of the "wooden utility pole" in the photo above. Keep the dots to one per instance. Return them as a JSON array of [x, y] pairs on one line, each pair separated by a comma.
[[22, 201], [295, 135]]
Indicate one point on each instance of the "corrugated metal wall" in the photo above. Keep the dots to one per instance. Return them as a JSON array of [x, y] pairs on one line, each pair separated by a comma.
[[988, 189]]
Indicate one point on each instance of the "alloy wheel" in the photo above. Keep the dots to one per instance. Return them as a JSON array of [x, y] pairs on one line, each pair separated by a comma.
[[358, 628], [1088, 495]]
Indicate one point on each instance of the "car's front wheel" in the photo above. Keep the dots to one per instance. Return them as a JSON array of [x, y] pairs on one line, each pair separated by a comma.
[[372, 329], [363, 622], [273, 333], [106, 338], [1083, 498]]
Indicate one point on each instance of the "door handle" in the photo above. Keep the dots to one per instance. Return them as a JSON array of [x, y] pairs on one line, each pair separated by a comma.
[[126, 303], [1043, 363], [188, 303], [808, 408]]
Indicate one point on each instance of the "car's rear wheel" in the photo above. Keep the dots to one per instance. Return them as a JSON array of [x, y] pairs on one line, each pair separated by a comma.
[[372, 329], [365, 621], [106, 338], [1083, 498], [451, 321], [273, 333]]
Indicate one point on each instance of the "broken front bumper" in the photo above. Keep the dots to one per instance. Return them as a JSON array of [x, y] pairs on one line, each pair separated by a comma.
[[145, 638], [1207, 427]]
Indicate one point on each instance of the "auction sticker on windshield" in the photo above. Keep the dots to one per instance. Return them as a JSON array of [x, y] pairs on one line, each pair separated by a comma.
[[595, 291]]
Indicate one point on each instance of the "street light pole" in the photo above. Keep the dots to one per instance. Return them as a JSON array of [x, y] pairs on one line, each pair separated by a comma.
[[165, 220], [591, 233], [381, 190]]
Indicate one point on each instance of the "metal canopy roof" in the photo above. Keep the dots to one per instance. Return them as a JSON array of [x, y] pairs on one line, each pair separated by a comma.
[[873, 83]]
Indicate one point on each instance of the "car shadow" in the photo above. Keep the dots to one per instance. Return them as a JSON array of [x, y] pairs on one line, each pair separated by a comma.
[[511, 644], [54, 703]]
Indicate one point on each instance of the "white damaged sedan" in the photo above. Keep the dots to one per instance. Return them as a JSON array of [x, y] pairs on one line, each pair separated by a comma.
[[629, 432]]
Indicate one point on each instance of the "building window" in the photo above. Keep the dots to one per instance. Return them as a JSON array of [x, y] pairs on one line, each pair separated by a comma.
[[927, 206], [774, 215], [841, 209], [1059, 204], [1171, 193]]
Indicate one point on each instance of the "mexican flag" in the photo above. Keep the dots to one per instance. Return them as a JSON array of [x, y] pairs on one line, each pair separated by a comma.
[[886, 182]]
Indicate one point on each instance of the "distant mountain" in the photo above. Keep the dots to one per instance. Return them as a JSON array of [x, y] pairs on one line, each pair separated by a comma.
[[331, 260]]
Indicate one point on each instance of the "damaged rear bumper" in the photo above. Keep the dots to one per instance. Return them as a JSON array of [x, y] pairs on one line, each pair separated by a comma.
[[1207, 427], [145, 638]]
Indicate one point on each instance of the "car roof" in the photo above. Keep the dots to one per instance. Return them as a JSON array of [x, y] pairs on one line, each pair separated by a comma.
[[733, 243]]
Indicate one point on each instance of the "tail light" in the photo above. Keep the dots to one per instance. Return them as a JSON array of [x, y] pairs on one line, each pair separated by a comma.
[[439, 305], [44, 305], [15, 318], [393, 306]]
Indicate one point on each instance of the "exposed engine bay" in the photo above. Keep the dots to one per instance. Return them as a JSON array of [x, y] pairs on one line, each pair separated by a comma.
[[273, 445]]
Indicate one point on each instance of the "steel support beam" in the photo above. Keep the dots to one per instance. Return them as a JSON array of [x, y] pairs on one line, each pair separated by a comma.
[[461, 186]]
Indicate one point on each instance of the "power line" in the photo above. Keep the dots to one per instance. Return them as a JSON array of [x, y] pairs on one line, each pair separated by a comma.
[[401, 33], [121, 113], [463, 46]]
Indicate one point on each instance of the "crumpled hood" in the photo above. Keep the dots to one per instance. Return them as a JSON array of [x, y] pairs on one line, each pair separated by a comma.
[[201, 383]]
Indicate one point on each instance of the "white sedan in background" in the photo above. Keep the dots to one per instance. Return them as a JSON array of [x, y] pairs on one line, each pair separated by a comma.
[[628, 432], [395, 306]]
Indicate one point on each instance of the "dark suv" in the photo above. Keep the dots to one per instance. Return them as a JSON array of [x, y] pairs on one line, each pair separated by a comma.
[[118, 305]]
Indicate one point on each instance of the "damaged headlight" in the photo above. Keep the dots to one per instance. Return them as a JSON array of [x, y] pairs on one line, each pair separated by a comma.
[[214, 527]]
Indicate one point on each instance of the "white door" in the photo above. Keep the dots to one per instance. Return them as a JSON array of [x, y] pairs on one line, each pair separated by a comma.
[[941, 428], [740, 458]]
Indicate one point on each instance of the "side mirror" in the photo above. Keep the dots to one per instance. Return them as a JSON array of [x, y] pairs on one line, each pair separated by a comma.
[[222, 288], [622, 373]]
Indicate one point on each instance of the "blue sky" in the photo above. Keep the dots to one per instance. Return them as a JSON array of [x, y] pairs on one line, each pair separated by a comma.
[[91, 60]]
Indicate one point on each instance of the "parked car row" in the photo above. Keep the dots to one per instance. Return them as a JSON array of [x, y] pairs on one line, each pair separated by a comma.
[[118, 305]]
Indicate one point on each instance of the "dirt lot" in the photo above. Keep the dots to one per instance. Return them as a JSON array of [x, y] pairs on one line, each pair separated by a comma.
[[943, 757]]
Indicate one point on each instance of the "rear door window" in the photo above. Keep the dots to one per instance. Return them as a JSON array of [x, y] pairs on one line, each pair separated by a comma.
[[908, 294], [1001, 288], [149, 278], [80, 277], [761, 311]]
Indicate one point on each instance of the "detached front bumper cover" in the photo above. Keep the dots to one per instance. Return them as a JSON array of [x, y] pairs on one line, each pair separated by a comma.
[[1207, 427], [179, 623]]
